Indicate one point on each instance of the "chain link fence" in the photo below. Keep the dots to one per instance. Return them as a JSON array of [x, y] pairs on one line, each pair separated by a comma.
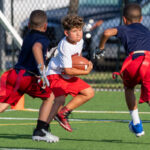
[[98, 16]]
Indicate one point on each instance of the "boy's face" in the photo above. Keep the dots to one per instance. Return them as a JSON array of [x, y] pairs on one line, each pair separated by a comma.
[[74, 35]]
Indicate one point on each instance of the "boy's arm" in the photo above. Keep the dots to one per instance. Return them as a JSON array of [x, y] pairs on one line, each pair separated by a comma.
[[76, 72], [106, 35], [99, 52], [38, 54]]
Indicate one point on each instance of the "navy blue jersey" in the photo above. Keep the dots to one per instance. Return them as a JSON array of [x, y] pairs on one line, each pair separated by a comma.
[[26, 58], [134, 37]]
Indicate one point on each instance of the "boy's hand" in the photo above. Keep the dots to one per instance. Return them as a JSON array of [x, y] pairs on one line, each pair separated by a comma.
[[90, 67], [52, 52], [98, 53], [43, 77]]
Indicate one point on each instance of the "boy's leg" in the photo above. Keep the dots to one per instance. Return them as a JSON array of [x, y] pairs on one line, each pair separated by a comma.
[[131, 77], [78, 100], [3, 107], [81, 98], [130, 98], [45, 108], [7, 94], [41, 132], [132, 105], [135, 125], [57, 106]]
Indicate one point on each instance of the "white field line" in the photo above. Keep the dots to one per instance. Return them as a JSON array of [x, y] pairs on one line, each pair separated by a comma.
[[87, 111], [74, 120], [13, 118], [79, 111]]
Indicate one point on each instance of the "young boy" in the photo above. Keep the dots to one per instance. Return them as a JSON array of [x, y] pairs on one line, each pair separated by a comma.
[[61, 74], [24, 77], [136, 68]]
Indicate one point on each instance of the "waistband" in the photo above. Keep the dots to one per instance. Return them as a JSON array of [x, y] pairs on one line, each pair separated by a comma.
[[54, 76], [58, 76], [140, 51], [26, 72]]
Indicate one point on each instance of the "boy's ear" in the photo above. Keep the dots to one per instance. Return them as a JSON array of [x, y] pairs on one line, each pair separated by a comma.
[[45, 26], [124, 20], [29, 25], [66, 32], [141, 19]]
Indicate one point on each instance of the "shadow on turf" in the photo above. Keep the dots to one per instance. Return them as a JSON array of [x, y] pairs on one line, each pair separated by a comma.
[[22, 137], [15, 136], [103, 141], [24, 148]]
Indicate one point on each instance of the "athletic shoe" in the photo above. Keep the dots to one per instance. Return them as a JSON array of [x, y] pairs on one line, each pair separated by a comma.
[[43, 135], [62, 118], [136, 129]]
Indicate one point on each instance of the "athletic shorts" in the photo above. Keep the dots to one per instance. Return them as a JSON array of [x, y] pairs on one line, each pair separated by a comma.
[[14, 84], [138, 72], [61, 86]]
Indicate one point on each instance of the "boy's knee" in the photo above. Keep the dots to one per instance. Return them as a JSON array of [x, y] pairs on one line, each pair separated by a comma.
[[90, 93], [2, 110], [60, 100], [128, 88], [3, 107]]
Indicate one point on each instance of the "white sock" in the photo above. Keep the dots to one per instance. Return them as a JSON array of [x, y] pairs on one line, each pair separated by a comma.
[[135, 116]]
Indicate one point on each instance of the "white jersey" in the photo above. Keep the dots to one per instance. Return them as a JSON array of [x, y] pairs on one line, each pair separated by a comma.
[[63, 59]]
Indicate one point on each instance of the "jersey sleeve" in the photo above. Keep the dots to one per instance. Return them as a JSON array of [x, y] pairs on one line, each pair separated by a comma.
[[65, 56], [81, 45], [45, 43], [120, 33]]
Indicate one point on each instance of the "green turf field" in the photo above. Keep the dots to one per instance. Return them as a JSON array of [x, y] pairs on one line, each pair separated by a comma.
[[104, 128]]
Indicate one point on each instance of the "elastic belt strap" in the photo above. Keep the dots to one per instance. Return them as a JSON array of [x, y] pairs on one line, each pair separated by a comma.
[[145, 64], [17, 84], [124, 66], [3, 81], [129, 60]]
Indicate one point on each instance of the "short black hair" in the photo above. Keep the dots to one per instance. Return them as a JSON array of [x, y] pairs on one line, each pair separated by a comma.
[[37, 18], [132, 12]]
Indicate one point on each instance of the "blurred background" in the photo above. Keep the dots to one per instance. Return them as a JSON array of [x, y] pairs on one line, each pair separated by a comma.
[[98, 15]]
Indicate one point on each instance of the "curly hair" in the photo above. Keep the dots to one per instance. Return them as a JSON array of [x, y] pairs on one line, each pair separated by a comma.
[[72, 21]]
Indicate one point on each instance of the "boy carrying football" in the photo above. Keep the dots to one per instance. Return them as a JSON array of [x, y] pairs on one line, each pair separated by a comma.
[[62, 76], [136, 68]]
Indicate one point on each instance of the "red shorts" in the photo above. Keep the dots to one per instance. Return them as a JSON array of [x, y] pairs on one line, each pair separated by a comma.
[[131, 75], [61, 86], [138, 72], [13, 86]]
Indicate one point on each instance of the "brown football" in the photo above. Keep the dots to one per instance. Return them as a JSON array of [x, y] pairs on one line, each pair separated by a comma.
[[79, 62]]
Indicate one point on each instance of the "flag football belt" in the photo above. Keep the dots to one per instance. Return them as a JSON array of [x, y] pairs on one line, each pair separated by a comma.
[[128, 60], [3, 81]]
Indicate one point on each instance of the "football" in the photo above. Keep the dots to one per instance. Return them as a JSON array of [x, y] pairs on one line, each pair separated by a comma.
[[79, 62]]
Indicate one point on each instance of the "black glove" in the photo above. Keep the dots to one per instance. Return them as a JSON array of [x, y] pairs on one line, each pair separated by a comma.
[[98, 53]]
